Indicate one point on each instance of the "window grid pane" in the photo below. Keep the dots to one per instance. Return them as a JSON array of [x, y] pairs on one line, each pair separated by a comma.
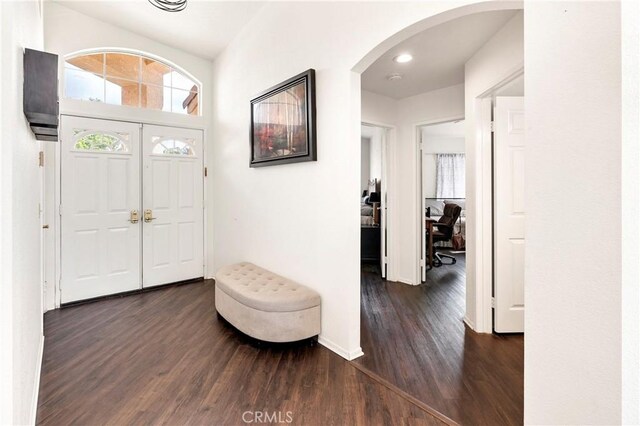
[[182, 147], [122, 65], [131, 80], [101, 141]]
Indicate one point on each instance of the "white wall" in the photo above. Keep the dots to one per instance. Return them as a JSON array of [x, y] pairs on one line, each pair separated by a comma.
[[20, 281], [378, 109], [61, 28], [375, 154], [573, 299], [316, 246], [442, 144], [502, 55], [570, 298], [630, 194]]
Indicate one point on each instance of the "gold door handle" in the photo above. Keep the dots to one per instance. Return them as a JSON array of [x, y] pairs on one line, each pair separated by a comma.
[[148, 216], [134, 216]]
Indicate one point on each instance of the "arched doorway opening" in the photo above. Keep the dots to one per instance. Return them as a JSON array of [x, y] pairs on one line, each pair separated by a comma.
[[408, 350]]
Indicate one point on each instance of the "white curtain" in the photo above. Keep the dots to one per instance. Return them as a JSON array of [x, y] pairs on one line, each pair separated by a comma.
[[450, 176]]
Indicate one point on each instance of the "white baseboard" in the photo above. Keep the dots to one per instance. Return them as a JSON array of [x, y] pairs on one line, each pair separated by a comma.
[[346, 354], [36, 388], [469, 323], [405, 281]]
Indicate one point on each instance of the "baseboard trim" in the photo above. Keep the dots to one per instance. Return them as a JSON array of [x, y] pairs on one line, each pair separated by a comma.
[[405, 281], [346, 354], [131, 292], [468, 322], [36, 388]]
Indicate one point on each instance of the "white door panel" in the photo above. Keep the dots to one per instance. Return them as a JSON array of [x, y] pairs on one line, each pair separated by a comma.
[[509, 214], [173, 241], [100, 187]]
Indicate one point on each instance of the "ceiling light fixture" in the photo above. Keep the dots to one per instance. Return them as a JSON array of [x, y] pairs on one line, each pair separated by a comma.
[[169, 5], [403, 58], [394, 76]]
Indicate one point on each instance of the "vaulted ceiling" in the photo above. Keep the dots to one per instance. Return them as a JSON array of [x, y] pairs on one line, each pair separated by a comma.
[[204, 28]]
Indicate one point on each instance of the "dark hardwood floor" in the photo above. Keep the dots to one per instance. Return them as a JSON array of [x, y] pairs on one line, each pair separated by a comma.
[[414, 337], [164, 357]]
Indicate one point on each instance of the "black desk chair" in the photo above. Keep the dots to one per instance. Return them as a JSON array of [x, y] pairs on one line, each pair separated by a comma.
[[443, 231]]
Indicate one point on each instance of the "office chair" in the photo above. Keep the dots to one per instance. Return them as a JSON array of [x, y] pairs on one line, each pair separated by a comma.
[[443, 231]]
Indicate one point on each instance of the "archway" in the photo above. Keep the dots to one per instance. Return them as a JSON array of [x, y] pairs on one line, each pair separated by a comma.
[[479, 205]]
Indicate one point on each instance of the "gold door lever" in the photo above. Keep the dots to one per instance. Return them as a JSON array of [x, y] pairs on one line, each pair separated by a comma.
[[148, 216], [134, 216]]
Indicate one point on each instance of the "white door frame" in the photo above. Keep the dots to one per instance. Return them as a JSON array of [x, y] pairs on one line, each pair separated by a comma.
[[420, 223], [56, 232], [389, 171], [484, 203]]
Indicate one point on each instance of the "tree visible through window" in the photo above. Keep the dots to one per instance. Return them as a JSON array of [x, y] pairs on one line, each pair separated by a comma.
[[173, 146], [101, 142]]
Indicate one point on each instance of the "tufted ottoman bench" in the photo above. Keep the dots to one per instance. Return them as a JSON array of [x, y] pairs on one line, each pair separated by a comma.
[[265, 305]]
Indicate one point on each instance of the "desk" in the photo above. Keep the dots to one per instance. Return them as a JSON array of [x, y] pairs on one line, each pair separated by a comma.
[[429, 225]]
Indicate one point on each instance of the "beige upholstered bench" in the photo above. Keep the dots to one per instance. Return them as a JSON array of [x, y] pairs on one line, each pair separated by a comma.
[[266, 306]]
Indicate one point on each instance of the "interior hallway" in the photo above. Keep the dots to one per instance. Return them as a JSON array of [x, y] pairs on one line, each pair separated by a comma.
[[414, 338]]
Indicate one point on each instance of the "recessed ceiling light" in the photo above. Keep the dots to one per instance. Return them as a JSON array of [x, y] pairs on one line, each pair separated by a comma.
[[402, 58], [394, 76]]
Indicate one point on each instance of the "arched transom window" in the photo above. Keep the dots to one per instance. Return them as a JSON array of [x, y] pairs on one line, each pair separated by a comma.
[[130, 79]]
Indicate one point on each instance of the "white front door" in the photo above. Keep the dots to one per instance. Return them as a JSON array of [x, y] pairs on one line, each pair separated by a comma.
[[173, 240], [509, 214], [100, 176]]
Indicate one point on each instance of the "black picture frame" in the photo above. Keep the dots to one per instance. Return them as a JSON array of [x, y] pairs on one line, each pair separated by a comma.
[[266, 138]]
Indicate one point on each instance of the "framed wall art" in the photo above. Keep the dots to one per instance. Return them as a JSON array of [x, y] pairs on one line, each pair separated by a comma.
[[283, 122]]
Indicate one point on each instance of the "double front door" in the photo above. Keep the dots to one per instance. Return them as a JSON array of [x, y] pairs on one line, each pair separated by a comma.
[[131, 206]]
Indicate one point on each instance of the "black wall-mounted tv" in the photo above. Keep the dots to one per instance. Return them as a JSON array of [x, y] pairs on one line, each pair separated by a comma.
[[41, 93]]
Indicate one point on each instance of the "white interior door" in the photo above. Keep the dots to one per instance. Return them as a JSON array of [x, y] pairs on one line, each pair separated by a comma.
[[100, 176], [173, 240], [509, 214]]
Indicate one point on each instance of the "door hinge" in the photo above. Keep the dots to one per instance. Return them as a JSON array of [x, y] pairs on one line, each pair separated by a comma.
[[421, 262], [206, 172], [492, 126], [41, 159], [493, 302], [60, 210]]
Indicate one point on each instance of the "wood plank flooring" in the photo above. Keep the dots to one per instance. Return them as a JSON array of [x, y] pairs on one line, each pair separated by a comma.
[[414, 337], [164, 357]]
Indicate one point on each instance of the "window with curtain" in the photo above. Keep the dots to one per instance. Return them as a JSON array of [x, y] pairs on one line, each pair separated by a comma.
[[450, 176]]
